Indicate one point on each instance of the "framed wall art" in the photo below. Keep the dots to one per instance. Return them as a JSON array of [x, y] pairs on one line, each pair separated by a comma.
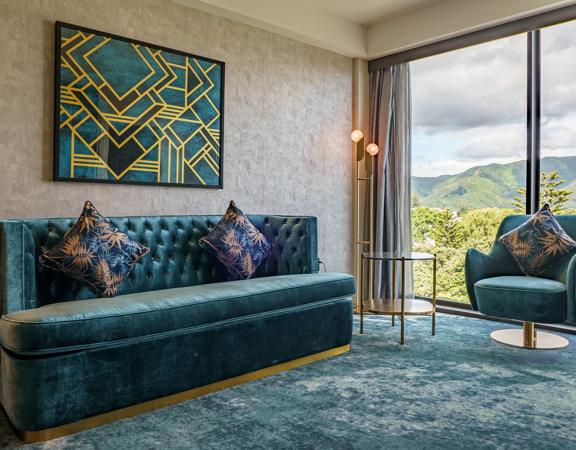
[[131, 112]]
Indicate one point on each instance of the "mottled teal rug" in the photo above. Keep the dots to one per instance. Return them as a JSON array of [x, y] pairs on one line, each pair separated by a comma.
[[456, 390]]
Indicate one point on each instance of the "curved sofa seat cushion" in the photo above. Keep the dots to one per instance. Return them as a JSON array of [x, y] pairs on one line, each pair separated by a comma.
[[76, 325], [522, 298]]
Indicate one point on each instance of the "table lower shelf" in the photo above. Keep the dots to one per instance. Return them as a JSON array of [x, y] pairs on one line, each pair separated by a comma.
[[412, 307]]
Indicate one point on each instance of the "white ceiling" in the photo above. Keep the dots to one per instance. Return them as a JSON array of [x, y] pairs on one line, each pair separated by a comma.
[[364, 12], [372, 28], [361, 12]]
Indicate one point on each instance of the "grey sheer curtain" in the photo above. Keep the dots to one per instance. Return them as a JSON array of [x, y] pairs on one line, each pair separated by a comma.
[[390, 128]]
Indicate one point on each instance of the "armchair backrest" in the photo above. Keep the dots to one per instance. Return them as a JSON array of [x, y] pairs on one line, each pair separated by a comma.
[[557, 272], [567, 221]]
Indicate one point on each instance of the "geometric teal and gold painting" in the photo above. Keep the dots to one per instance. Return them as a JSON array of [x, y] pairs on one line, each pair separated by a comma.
[[132, 112]]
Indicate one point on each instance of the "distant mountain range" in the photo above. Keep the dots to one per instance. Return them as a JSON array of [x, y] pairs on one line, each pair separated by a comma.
[[488, 186]]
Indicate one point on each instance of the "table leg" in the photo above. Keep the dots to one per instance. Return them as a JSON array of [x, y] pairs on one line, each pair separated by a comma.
[[361, 294], [393, 285], [434, 296], [403, 300]]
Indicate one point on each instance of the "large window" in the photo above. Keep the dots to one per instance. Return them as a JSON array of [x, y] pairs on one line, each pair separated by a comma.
[[469, 154], [558, 131], [478, 118]]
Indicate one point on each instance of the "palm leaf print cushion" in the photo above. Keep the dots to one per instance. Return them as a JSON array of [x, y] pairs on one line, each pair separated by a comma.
[[538, 243], [237, 243], [94, 252]]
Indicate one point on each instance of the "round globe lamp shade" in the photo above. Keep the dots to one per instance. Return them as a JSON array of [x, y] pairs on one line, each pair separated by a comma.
[[356, 135], [372, 149]]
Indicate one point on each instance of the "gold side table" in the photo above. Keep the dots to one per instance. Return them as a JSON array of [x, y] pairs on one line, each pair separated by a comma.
[[402, 306]]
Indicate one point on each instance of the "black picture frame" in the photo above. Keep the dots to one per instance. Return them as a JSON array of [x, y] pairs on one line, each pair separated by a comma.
[[57, 175]]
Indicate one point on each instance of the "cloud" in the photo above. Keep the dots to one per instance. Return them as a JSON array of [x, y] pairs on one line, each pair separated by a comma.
[[473, 87], [559, 133], [493, 142], [558, 69], [451, 167], [485, 85], [459, 150], [469, 106]]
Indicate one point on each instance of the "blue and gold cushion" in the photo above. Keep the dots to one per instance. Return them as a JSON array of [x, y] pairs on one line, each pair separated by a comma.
[[237, 243], [94, 252], [538, 243]]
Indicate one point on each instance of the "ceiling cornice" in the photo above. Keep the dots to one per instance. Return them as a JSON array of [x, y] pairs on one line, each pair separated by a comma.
[[447, 19], [436, 21], [307, 25]]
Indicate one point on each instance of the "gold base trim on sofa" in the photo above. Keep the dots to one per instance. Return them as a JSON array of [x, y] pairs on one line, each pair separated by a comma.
[[129, 411], [528, 337]]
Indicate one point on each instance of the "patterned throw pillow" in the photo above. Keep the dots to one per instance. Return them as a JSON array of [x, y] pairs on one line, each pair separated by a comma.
[[237, 243], [538, 243], [94, 252]]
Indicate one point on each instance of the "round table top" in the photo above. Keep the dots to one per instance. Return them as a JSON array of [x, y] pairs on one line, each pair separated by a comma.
[[397, 256]]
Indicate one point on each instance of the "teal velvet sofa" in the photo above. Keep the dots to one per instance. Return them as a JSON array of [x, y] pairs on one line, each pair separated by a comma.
[[176, 330], [497, 287]]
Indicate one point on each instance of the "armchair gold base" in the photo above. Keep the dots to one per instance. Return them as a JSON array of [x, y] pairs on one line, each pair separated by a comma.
[[528, 337]]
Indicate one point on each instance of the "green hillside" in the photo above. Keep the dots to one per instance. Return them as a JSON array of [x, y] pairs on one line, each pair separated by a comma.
[[493, 185]]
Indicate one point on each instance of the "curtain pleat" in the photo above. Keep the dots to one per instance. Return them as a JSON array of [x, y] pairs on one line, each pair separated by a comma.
[[390, 128]]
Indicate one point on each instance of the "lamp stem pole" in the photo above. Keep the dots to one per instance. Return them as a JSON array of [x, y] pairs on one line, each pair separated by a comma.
[[371, 227], [357, 223], [360, 221]]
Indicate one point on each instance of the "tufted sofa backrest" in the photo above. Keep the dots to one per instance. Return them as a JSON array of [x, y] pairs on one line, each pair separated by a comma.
[[175, 258]]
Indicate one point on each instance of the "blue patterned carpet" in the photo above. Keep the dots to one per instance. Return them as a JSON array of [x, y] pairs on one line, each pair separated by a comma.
[[456, 390]]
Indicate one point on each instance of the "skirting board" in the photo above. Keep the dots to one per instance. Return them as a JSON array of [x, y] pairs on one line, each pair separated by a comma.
[[123, 413]]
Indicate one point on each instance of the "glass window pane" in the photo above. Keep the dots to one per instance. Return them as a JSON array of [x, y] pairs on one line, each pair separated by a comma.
[[558, 131], [469, 154]]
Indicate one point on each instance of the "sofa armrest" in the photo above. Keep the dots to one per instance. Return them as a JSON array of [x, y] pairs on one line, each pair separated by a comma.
[[477, 266], [16, 260], [571, 290]]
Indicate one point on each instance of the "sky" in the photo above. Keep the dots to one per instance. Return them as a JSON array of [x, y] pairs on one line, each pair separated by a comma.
[[469, 105]]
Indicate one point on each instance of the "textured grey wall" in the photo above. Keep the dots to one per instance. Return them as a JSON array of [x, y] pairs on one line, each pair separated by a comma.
[[287, 118]]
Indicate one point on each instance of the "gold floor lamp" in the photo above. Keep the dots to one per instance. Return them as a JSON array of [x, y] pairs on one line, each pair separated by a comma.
[[364, 242]]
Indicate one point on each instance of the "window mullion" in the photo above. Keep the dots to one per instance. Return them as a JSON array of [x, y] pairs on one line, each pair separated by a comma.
[[533, 123]]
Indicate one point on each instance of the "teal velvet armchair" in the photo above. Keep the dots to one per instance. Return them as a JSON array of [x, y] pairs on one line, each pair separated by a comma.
[[497, 287]]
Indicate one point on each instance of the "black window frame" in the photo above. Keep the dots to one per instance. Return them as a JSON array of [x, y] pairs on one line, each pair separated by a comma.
[[531, 26]]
